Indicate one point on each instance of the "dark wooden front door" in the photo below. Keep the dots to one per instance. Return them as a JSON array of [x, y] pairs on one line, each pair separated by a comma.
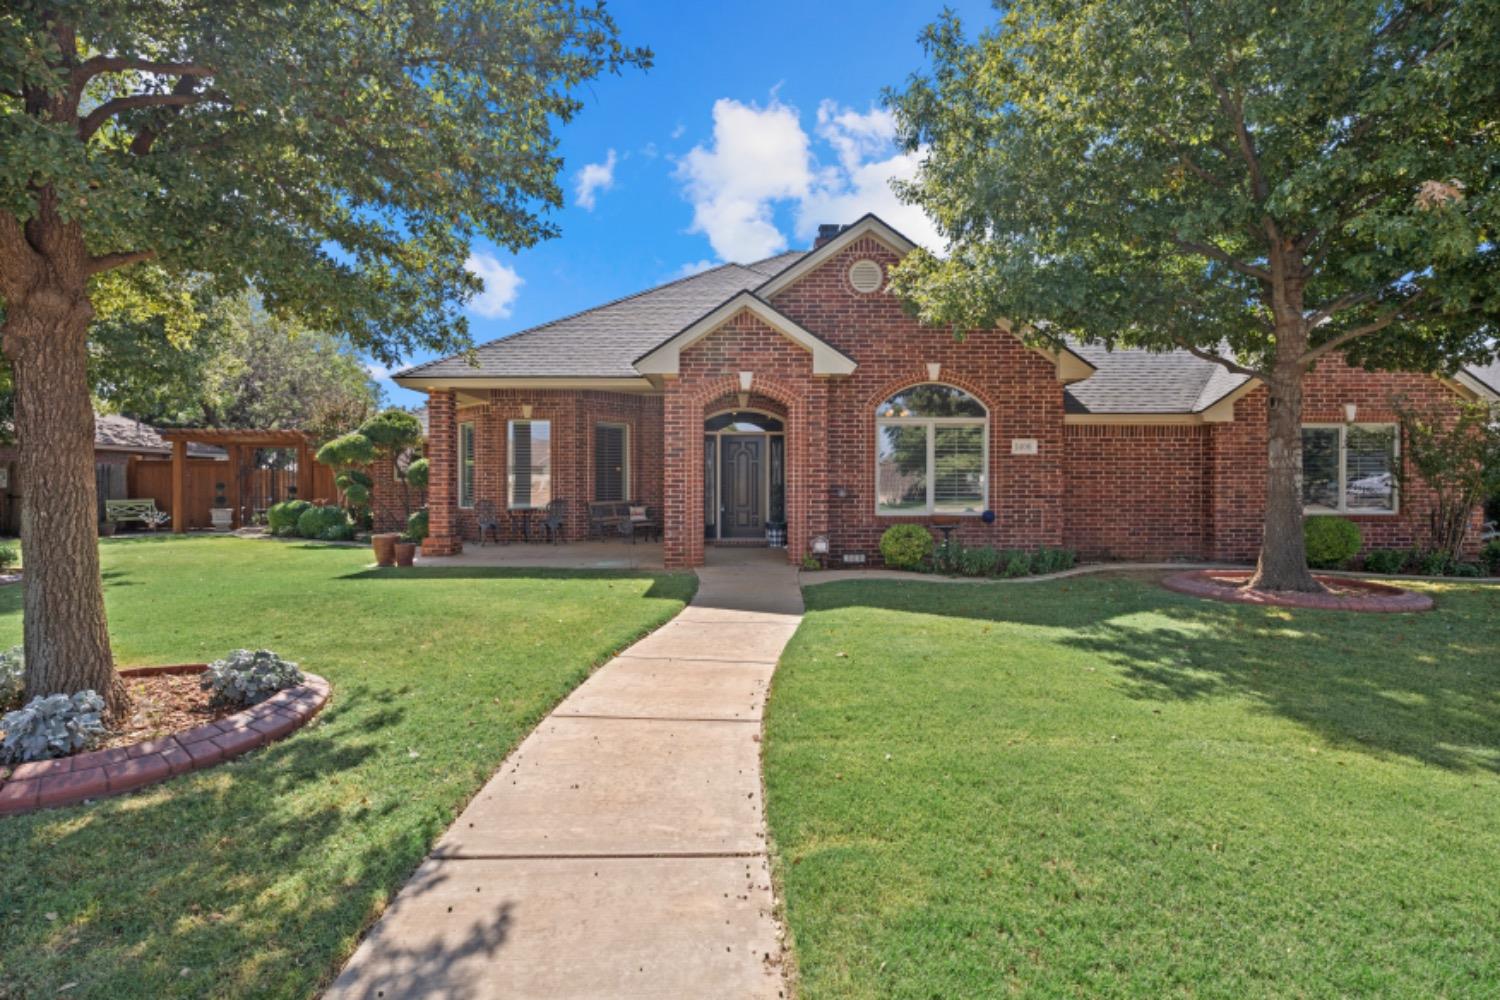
[[741, 487]]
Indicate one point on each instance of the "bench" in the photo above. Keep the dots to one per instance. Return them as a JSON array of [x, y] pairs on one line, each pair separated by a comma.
[[612, 519], [141, 511]]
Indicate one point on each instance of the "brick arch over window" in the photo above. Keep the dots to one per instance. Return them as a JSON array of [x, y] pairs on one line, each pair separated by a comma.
[[919, 377], [686, 409]]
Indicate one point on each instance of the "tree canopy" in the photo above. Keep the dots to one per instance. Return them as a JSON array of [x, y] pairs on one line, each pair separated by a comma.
[[338, 154], [1157, 173]]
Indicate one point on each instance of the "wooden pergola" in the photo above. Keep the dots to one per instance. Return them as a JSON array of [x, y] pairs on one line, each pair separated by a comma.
[[234, 442]]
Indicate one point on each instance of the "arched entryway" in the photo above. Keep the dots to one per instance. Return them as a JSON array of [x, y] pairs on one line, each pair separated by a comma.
[[744, 474]]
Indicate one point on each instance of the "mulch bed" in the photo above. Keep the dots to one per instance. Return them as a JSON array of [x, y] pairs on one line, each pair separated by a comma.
[[164, 704], [1339, 593]]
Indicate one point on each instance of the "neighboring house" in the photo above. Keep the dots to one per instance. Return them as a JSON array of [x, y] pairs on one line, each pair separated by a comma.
[[117, 440], [795, 390]]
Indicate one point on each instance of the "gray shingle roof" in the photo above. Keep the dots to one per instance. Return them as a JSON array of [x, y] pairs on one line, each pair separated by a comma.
[[1136, 381], [603, 341], [113, 432]]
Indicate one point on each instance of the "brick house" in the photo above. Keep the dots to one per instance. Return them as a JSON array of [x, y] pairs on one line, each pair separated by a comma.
[[795, 392]]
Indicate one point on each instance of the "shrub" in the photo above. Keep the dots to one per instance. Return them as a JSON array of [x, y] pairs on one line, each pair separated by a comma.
[[416, 526], [9, 556], [1384, 560], [982, 561], [282, 517], [1331, 541], [325, 524], [417, 474], [12, 676], [905, 546], [1434, 563], [1052, 560], [1015, 562], [53, 725], [1468, 569], [947, 556], [1490, 556], [246, 678]]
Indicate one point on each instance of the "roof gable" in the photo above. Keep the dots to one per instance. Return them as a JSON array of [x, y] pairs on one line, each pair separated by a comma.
[[664, 360], [870, 225]]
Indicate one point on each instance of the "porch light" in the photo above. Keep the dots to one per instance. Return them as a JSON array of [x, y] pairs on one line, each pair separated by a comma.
[[820, 545], [933, 368], [745, 379], [1350, 412]]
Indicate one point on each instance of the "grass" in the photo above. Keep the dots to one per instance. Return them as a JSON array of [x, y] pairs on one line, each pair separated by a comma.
[[1094, 787], [254, 878]]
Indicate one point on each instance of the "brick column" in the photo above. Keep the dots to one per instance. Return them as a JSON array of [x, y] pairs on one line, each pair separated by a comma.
[[443, 537], [682, 474]]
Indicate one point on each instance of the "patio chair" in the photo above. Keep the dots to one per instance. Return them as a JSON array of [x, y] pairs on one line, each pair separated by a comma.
[[556, 516], [489, 520]]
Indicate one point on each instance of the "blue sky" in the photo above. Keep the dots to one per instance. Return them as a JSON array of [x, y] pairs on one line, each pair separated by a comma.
[[757, 123]]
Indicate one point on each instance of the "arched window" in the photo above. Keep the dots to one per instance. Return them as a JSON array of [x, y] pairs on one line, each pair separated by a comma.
[[931, 448]]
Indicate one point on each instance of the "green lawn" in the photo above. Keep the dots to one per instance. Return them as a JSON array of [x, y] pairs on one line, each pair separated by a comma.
[[254, 878], [1094, 787]]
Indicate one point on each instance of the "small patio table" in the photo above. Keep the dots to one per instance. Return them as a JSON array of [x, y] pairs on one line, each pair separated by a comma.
[[523, 514]]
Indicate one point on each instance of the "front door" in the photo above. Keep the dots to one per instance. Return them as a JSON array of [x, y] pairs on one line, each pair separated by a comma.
[[741, 487]]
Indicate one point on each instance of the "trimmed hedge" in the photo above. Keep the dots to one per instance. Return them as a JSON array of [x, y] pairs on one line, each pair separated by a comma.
[[282, 518], [1331, 541], [325, 524], [906, 546]]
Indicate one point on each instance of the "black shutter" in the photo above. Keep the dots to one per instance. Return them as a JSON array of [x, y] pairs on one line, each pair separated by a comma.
[[609, 463]]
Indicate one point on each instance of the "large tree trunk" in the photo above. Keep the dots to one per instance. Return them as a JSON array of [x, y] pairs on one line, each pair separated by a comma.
[[66, 638], [1283, 550]]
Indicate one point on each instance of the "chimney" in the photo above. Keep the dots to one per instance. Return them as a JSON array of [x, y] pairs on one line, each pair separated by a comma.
[[826, 232]]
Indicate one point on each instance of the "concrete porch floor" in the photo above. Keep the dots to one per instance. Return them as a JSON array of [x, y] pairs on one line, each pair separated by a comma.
[[598, 555]]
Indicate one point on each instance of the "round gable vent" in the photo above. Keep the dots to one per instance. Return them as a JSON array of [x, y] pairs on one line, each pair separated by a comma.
[[866, 276]]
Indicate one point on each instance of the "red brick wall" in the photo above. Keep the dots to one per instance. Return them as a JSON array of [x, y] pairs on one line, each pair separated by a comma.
[[1237, 457], [1136, 492], [1018, 386], [574, 415]]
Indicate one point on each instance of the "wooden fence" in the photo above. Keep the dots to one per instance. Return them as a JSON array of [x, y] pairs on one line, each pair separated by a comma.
[[151, 478]]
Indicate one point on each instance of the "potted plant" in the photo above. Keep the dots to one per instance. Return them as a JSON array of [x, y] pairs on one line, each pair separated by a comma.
[[221, 513], [405, 550]]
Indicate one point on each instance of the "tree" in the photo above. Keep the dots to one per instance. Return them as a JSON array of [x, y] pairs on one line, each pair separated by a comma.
[[1456, 451], [1263, 186], [383, 440], [338, 155]]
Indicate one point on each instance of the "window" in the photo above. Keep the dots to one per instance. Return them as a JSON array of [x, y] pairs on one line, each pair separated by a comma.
[[611, 462], [930, 446], [466, 465], [1349, 469], [528, 479]]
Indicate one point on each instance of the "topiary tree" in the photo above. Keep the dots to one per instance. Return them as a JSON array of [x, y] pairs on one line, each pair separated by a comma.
[[348, 456], [340, 157], [394, 435]]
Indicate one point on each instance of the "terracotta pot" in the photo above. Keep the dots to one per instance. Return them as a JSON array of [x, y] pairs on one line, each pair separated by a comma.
[[384, 545], [405, 553]]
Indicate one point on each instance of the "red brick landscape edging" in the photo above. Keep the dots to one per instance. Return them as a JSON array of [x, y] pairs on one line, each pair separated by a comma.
[[105, 773], [1227, 585]]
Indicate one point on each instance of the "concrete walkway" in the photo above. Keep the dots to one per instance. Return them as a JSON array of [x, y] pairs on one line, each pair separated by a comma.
[[620, 850]]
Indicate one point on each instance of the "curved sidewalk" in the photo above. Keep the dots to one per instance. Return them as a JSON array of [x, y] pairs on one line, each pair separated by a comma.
[[620, 850]]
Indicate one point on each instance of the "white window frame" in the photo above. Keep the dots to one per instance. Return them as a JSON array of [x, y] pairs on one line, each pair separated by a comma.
[[468, 465], [931, 424], [624, 457], [510, 461], [1343, 507]]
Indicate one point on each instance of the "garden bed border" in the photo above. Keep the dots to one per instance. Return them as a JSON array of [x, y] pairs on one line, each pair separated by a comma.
[[99, 774], [1226, 585]]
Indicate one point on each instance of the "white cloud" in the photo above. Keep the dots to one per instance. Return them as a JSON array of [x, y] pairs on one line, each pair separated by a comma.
[[377, 370], [758, 156], [501, 286], [593, 178], [693, 267], [762, 158], [679, 131]]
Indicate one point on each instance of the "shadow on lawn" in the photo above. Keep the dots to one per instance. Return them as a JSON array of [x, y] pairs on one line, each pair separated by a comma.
[[207, 875], [662, 582], [1419, 686]]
